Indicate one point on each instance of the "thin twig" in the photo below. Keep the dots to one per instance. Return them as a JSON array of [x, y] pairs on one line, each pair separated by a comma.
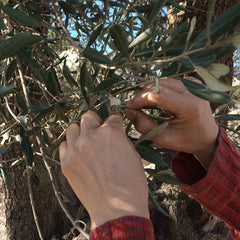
[[33, 206], [56, 192], [10, 111], [230, 129]]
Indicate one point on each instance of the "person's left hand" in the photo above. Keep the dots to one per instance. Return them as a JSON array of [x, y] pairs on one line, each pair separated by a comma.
[[104, 169]]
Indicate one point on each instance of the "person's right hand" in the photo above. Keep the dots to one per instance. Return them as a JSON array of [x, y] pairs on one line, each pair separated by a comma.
[[192, 129]]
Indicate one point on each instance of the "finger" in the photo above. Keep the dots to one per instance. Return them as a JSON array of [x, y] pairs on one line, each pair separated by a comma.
[[168, 99], [114, 120], [62, 150], [90, 120], [170, 83], [72, 134], [173, 84], [142, 122]]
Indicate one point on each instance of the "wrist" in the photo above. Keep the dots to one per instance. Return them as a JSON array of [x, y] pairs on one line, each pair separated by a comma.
[[205, 155], [109, 215]]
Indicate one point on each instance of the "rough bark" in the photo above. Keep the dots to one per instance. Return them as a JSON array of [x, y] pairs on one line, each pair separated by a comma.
[[16, 211]]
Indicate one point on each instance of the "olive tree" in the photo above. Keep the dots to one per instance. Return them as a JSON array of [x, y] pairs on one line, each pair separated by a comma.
[[62, 58]]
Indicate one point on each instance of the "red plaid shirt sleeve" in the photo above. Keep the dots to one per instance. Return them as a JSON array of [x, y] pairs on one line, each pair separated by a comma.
[[124, 228], [218, 190]]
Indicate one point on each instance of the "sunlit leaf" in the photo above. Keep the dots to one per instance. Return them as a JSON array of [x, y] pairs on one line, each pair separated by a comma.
[[212, 82], [218, 69], [114, 101], [2, 24], [146, 35], [205, 92], [236, 42], [153, 133]]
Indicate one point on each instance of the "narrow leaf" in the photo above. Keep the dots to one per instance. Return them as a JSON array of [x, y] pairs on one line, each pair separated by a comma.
[[97, 30], [85, 78], [223, 24], [2, 24], [229, 117], [143, 37], [11, 68], [212, 82], [218, 69], [20, 17], [12, 45], [26, 146], [236, 42], [155, 11], [109, 82], [68, 76], [151, 134], [119, 35], [4, 91], [156, 204], [95, 56], [165, 176], [3, 150], [151, 155], [205, 92], [5, 176]]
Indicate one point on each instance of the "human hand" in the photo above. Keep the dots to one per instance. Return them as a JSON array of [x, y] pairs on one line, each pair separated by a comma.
[[192, 128], [104, 169]]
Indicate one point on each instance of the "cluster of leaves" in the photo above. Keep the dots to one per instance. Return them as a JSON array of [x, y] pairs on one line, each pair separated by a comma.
[[120, 46]]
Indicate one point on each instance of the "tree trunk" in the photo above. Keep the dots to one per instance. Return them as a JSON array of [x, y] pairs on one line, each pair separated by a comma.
[[16, 211]]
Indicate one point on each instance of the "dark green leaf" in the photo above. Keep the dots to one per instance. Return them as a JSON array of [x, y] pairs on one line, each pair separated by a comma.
[[119, 35], [26, 146], [2, 24], [171, 70], [13, 44], [150, 154], [97, 30], [85, 82], [5, 176], [95, 56], [4, 91], [50, 81], [3, 150], [176, 33], [109, 82], [229, 117], [20, 17], [22, 104], [223, 24], [156, 204], [68, 76], [68, 9], [155, 11], [165, 176], [37, 108], [11, 68], [205, 92], [103, 111]]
